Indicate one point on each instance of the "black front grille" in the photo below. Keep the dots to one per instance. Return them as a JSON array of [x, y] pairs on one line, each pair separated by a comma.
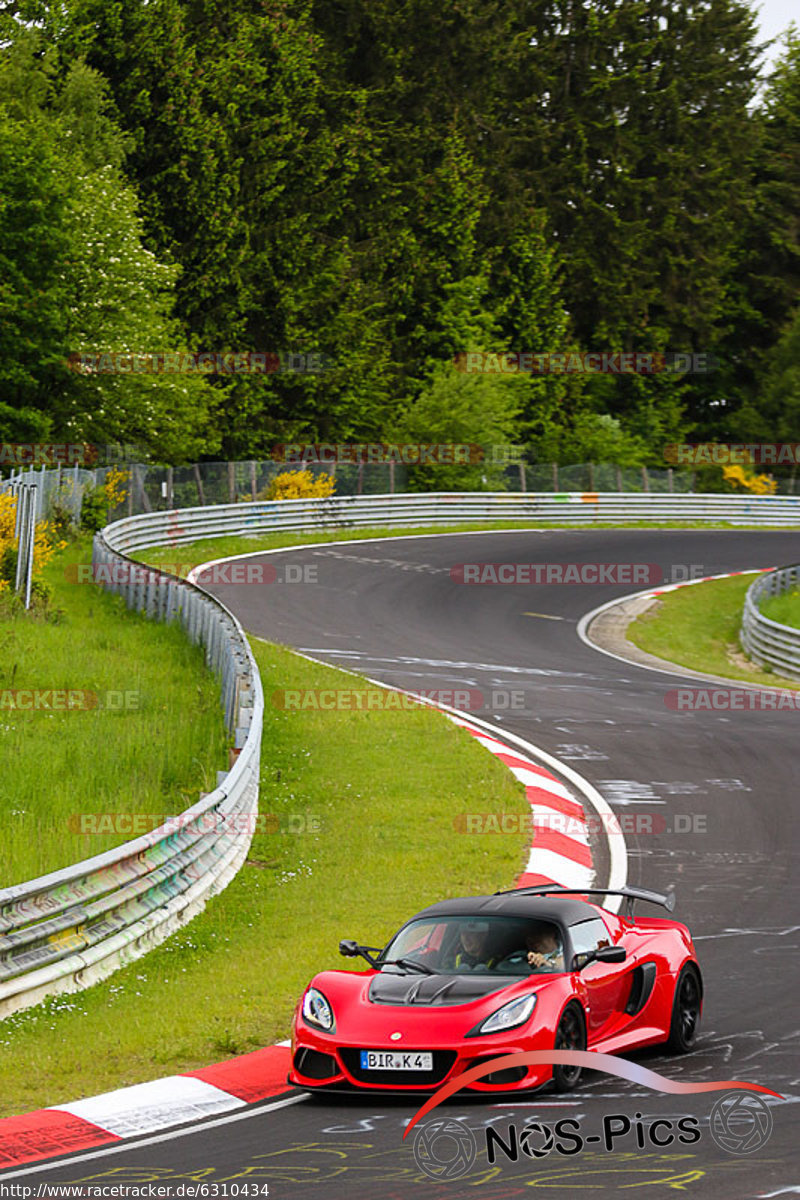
[[315, 1065], [504, 1075], [442, 1063]]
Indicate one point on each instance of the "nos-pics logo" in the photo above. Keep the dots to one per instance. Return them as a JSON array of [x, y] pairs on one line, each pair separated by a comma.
[[739, 1123]]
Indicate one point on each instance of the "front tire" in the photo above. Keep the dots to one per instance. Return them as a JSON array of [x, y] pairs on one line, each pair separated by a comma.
[[686, 1004], [570, 1035]]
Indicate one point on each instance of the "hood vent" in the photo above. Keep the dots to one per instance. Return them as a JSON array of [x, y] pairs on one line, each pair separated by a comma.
[[432, 990]]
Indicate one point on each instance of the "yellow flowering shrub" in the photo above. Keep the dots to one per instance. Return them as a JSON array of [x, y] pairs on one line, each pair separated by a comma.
[[113, 487], [8, 511], [740, 477], [300, 485], [45, 543]]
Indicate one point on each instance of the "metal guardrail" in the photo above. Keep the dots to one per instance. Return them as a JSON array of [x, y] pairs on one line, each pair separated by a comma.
[[434, 508], [71, 928], [63, 487], [769, 643]]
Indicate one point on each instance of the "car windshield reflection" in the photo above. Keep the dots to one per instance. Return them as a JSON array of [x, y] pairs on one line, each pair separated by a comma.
[[467, 945]]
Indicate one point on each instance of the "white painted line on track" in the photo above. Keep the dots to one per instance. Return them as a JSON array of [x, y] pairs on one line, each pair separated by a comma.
[[403, 537]]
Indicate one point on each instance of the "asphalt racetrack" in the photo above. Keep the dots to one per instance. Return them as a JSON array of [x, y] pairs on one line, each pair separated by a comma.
[[721, 787]]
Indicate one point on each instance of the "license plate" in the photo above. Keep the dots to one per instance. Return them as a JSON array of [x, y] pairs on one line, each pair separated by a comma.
[[396, 1060]]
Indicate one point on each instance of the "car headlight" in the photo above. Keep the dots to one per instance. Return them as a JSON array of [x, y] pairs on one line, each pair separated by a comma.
[[516, 1012], [317, 1011]]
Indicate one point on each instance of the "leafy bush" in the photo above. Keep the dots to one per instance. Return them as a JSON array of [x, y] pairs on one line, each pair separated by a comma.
[[62, 521], [8, 566], [94, 509], [97, 501]]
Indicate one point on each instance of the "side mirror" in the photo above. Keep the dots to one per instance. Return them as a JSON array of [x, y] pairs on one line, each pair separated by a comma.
[[611, 954], [348, 948], [606, 954]]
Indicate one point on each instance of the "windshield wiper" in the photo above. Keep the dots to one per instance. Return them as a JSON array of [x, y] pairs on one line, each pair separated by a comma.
[[408, 963]]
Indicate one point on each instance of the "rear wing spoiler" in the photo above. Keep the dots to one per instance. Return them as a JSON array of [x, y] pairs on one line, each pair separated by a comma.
[[631, 894]]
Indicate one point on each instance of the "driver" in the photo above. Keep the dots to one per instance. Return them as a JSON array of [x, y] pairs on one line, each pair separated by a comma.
[[472, 951]]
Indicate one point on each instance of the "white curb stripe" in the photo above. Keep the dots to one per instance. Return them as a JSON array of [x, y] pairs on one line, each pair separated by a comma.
[[547, 818], [123, 1147], [542, 783], [146, 1107], [559, 869]]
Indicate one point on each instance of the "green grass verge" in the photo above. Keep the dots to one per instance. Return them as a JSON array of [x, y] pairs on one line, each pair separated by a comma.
[[386, 788], [785, 608], [181, 559], [155, 739], [698, 627]]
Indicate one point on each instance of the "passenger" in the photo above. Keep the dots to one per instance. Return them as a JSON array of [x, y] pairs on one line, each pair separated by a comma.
[[544, 949]]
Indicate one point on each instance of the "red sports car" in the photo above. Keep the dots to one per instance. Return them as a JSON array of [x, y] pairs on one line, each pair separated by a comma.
[[467, 980]]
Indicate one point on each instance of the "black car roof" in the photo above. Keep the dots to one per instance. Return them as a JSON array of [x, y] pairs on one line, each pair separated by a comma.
[[563, 910]]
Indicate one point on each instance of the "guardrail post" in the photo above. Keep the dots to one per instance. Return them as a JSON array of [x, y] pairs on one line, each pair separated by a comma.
[[31, 548]]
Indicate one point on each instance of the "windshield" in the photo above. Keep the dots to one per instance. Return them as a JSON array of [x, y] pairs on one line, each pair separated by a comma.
[[491, 945]]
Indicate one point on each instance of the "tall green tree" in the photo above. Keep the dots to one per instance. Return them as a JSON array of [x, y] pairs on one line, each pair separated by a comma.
[[34, 244], [330, 174], [78, 279], [242, 181], [766, 283]]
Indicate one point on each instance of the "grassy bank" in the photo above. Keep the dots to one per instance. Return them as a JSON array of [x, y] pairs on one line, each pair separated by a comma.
[[144, 732], [785, 609], [366, 805], [698, 627]]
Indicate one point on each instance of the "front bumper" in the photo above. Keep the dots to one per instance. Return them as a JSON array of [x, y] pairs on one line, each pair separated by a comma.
[[321, 1062]]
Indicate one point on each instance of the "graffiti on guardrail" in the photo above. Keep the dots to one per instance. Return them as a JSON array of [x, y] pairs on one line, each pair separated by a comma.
[[87, 920]]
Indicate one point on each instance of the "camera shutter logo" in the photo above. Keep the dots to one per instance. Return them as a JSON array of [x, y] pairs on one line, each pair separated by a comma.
[[445, 1149], [740, 1122], [536, 1140]]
